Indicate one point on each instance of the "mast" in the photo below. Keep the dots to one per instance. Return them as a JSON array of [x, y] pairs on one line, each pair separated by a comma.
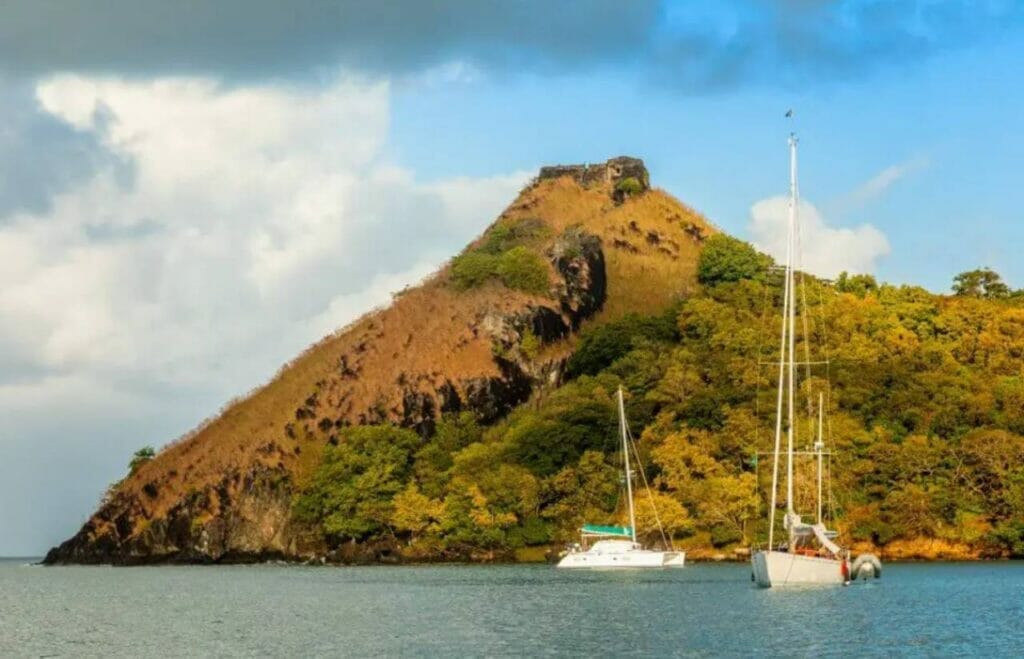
[[778, 414], [625, 455], [819, 445], [787, 301], [791, 322]]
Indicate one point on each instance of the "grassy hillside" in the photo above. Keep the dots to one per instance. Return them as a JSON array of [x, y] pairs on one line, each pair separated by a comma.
[[441, 345]]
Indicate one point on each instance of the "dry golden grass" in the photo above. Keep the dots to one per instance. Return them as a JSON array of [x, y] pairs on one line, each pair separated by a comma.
[[428, 336]]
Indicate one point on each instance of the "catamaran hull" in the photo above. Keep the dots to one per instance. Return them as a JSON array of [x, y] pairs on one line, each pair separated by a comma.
[[632, 559], [774, 569]]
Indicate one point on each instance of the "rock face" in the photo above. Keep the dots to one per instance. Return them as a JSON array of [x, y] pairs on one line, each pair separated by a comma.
[[253, 524]]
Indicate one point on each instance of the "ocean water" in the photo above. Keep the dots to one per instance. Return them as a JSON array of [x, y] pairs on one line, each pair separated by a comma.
[[702, 610]]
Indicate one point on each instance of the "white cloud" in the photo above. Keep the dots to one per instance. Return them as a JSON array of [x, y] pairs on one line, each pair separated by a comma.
[[878, 184], [824, 250], [251, 221]]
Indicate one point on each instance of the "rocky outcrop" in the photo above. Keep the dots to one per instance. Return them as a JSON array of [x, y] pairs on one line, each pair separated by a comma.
[[245, 518]]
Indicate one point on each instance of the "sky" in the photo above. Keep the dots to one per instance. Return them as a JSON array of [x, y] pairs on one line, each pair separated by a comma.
[[192, 192]]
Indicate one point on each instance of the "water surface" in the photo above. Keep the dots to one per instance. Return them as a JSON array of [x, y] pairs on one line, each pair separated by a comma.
[[702, 610]]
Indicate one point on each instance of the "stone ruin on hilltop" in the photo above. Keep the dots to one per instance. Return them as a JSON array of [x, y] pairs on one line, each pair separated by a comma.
[[612, 172]]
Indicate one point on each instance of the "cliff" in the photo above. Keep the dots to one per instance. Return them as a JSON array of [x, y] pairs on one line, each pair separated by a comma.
[[608, 245]]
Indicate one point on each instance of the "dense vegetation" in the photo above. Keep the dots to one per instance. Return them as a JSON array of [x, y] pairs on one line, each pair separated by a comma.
[[503, 254], [926, 407]]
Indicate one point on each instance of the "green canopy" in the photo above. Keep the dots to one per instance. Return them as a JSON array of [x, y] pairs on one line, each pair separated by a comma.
[[597, 529]]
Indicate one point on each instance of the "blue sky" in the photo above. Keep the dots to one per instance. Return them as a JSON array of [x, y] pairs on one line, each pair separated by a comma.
[[953, 118], [187, 199]]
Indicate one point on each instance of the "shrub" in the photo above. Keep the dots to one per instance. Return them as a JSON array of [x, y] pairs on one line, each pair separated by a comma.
[[507, 234], [473, 269], [140, 457], [726, 259], [523, 270], [530, 344], [629, 186]]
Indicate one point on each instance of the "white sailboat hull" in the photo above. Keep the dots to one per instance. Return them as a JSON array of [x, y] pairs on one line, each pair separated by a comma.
[[774, 569], [615, 554]]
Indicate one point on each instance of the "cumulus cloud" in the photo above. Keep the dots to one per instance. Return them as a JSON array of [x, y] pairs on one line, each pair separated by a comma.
[[257, 219], [824, 250]]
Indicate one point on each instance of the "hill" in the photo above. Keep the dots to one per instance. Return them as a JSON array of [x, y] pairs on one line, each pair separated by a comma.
[[579, 246], [474, 418]]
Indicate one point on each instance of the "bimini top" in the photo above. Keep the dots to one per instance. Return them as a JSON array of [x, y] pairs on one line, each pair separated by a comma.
[[617, 531]]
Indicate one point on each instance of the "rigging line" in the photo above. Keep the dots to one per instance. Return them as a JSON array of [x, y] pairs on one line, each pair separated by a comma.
[[831, 505], [757, 393], [825, 339], [640, 467], [803, 307]]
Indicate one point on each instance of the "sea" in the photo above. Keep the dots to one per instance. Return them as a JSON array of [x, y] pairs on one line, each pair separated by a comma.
[[703, 610]]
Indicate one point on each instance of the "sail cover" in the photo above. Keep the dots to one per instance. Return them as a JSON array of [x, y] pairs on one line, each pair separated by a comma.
[[597, 529], [822, 535]]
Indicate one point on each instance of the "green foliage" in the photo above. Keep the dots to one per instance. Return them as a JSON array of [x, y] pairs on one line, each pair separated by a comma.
[[503, 255], [140, 457], [859, 285], [926, 419], [435, 458], [984, 283], [529, 344], [601, 346], [473, 268], [506, 234], [523, 270], [351, 493], [629, 186], [726, 259]]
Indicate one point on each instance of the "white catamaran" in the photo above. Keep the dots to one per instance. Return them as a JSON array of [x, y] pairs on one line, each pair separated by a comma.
[[809, 554], [618, 547]]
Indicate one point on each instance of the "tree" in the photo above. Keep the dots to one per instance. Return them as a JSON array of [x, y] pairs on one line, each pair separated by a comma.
[[983, 282], [351, 493], [859, 285], [415, 513], [433, 460], [726, 259], [139, 458], [583, 492], [600, 346], [656, 507]]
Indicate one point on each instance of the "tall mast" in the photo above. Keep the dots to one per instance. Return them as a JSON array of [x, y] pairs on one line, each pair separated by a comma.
[[787, 301], [820, 445], [791, 321], [625, 455]]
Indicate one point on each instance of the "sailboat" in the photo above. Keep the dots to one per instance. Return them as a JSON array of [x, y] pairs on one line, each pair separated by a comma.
[[809, 555], [617, 546]]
